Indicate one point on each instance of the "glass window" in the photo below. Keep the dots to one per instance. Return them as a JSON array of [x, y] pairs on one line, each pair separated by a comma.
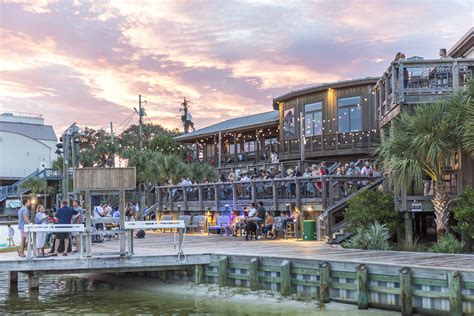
[[289, 124], [313, 119], [349, 114]]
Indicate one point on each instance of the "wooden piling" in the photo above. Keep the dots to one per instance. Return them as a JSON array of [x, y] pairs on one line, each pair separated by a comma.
[[285, 277], [362, 287], [33, 281], [198, 273], [324, 280], [253, 274], [455, 297], [13, 278], [222, 271], [406, 304]]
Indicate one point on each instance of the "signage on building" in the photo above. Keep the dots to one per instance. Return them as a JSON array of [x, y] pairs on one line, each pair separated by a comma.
[[13, 203], [416, 207]]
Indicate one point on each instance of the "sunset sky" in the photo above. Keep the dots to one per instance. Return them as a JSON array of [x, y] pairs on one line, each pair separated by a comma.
[[87, 61]]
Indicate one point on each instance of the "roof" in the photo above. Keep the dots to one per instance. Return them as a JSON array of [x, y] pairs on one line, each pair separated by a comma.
[[233, 124], [35, 131], [324, 86], [463, 45]]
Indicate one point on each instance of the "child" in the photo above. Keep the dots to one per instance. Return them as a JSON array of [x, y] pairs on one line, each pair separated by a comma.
[[11, 232]]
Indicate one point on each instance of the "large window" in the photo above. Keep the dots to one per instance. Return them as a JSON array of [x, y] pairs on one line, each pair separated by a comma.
[[313, 119], [350, 114], [289, 124]]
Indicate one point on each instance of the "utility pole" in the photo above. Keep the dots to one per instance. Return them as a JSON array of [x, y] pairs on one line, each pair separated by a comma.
[[186, 118], [140, 120], [112, 141]]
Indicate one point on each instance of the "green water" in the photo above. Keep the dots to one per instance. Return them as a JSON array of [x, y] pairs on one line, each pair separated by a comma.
[[62, 295]]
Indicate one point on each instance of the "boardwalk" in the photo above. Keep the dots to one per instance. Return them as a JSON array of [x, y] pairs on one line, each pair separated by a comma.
[[162, 244]]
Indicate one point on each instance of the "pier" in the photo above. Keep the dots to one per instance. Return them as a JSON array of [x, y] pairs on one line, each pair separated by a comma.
[[403, 281]]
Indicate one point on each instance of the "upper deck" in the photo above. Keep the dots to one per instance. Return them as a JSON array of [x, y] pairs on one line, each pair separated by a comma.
[[408, 82]]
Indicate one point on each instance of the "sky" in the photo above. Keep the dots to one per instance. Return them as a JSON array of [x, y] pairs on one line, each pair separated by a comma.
[[87, 61]]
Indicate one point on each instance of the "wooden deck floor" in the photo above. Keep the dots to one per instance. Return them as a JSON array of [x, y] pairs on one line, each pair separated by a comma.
[[157, 244]]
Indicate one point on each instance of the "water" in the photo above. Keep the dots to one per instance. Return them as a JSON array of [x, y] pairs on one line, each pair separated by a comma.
[[61, 295]]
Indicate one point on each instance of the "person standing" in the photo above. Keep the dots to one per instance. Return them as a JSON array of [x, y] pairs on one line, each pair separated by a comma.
[[77, 219], [11, 233], [22, 221], [64, 215], [40, 218]]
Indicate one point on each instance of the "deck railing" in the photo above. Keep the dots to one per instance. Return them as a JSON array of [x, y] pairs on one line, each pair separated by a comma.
[[419, 81], [306, 193]]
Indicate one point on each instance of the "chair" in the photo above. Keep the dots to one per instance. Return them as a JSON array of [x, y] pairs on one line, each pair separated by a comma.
[[198, 223], [166, 218], [220, 223], [186, 219], [290, 230]]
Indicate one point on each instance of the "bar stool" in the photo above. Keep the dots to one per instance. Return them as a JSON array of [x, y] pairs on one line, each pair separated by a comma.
[[290, 230]]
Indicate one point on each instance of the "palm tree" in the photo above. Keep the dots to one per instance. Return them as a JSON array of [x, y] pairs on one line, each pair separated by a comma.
[[171, 167], [200, 171], [422, 142], [461, 112]]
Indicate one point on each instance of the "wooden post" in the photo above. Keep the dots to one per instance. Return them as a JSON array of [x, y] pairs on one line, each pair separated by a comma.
[[122, 223], [170, 199], [253, 274], [285, 276], [274, 192], [222, 271], [455, 75], [13, 278], [88, 239], [33, 281], [455, 297], [324, 192], [216, 197], [198, 273], [159, 201], [254, 192], [200, 202], [324, 279], [362, 287], [406, 305], [185, 199], [234, 196], [330, 189]]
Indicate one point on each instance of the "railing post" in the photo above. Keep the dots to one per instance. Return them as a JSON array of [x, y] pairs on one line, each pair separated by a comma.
[[122, 222], [401, 83], [331, 190], [185, 198], [216, 197], [323, 191], [394, 87], [406, 304], [362, 287], [253, 274], [324, 279], [201, 205], [455, 71], [170, 198], [254, 192], [285, 277], [274, 192], [234, 195], [455, 296], [159, 199], [88, 231], [223, 271]]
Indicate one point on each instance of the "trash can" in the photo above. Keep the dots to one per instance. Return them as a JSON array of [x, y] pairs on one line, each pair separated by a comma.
[[309, 228]]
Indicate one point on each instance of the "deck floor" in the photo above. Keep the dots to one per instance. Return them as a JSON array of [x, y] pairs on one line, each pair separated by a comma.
[[155, 244]]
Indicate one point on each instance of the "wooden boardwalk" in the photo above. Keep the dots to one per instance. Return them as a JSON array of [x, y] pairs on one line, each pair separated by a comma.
[[162, 244]]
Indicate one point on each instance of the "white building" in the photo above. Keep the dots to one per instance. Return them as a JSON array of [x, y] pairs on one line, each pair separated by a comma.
[[26, 144]]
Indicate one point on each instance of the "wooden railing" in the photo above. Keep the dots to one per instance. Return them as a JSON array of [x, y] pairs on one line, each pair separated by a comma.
[[419, 81], [305, 193]]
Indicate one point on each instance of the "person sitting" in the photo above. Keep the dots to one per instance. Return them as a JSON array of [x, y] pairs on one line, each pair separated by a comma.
[[230, 226], [268, 227], [278, 226]]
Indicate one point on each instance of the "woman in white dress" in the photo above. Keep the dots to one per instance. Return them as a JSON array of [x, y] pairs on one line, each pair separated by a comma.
[[40, 218]]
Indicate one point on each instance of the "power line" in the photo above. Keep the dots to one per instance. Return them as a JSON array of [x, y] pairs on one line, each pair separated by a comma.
[[126, 125], [133, 112]]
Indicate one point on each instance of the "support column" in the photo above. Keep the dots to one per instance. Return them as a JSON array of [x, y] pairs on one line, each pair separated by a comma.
[[406, 303], [33, 281], [122, 225], [222, 271], [88, 231], [13, 278], [362, 287], [324, 279], [253, 274], [455, 296], [198, 273], [285, 277]]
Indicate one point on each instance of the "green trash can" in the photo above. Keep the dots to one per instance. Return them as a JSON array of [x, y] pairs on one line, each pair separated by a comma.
[[309, 228]]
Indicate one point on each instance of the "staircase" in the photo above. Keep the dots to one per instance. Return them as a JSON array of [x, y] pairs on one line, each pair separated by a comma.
[[15, 190], [331, 225]]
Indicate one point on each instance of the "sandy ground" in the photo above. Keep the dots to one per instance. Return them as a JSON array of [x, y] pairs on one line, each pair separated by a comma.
[[241, 297]]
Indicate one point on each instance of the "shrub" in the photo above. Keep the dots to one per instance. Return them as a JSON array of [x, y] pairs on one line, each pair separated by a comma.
[[413, 245], [447, 243], [376, 237], [463, 212], [369, 207]]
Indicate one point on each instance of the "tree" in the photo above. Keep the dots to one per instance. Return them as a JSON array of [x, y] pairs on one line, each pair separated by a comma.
[[34, 185], [96, 148], [57, 165], [421, 142], [144, 161], [171, 167], [369, 207], [463, 211], [200, 171], [163, 143], [461, 113], [130, 137]]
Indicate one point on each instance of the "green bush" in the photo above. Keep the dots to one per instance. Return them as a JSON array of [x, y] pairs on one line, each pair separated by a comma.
[[463, 212], [413, 245], [447, 243], [376, 237], [369, 207]]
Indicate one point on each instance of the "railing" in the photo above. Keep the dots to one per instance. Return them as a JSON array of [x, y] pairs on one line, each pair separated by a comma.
[[419, 81], [338, 142], [276, 194], [14, 189]]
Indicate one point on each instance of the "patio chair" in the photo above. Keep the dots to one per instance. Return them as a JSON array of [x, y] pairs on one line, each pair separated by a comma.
[[186, 219], [220, 223]]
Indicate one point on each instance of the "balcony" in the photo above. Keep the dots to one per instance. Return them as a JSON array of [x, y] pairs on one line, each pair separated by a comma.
[[418, 81]]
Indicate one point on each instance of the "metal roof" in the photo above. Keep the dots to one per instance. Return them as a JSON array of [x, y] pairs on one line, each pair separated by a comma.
[[35, 131], [324, 86], [233, 124]]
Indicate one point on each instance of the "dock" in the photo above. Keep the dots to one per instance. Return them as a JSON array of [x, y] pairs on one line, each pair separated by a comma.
[[405, 281]]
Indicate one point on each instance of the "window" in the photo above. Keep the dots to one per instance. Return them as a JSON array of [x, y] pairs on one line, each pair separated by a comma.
[[289, 124], [350, 114], [313, 119]]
